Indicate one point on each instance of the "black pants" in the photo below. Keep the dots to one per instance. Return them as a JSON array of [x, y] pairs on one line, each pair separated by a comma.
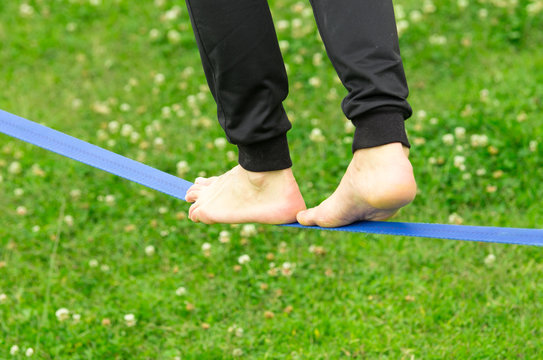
[[247, 77]]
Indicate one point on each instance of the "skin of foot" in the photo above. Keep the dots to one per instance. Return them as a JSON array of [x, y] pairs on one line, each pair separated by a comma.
[[242, 196], [377, 183]]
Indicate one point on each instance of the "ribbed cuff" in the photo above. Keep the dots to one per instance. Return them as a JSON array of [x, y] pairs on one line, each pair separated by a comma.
[[267, 155], [381, 126]]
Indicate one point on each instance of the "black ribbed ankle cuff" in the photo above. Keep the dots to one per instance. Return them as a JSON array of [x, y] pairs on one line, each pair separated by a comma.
[[267, 155], [379, 127]]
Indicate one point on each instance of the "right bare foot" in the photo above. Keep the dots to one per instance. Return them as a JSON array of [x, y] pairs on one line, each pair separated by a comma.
[[241, 196]]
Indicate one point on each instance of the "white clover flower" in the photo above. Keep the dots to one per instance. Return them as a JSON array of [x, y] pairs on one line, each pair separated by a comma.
[[236, 330], [182, 168], [297, 23], [104, 267], [415, 16], [35, 228], [71, 27], [109, 199], [244, 259], [402, 26], [174, 37], [230, 155], [484, 94], [69, 220], [248, 230], [490, 259], [224, 236], [173, 13], [478, 140], [149, 250], [437, 39], [206, 246], [101, 135], [159, 78], [26, 10], [421, 114], [448, 139], [124, 107], [315, 81], [463, 4], [162, 210], [237, 352], [282, 24], [349, 127], [459, 161], [1, 178], [62, 314], [129, 320], [15, 168], [14, 350], [460, 132], [220, 143], [159, 142], [29, 352], [93, 263], [454, 218], [76, 103], [483, 13], [284, 45], [480, 172], [180, 291], [95, 2], [126, 130], [18, 192], [76, 318], [428, 7], [317, 59], [316, 135], [154, 34], [113, 126], [399, 11], [534, 7], [21, 210], [134, 137], [533, 145], [3, 298]]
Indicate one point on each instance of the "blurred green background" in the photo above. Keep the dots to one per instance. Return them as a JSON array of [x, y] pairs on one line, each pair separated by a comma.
[[96, 267]]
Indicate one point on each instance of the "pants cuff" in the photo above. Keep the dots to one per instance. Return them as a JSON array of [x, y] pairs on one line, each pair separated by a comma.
[[381, 126], [267, 155]]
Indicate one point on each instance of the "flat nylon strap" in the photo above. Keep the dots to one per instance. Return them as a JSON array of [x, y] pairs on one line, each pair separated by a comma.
[[106, 160]]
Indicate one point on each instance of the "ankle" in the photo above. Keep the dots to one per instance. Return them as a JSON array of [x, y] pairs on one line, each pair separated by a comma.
[[263, 179]]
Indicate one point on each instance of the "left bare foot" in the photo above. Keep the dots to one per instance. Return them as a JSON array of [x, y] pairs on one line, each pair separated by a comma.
[[377, 183]]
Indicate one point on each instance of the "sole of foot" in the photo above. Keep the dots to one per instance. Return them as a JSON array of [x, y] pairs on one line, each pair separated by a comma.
[[378, 182], [242, 196]]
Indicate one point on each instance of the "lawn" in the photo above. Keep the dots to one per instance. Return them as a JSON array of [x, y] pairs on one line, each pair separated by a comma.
[[95, 267]]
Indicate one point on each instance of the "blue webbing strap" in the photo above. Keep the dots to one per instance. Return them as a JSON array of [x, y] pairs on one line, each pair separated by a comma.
[[106, 160]]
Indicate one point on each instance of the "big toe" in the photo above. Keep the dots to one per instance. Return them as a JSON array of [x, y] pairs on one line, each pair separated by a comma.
[[306, 217], [205, 181]]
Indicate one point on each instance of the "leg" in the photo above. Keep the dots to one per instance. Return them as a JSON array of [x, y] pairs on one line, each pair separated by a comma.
[[246, 75], [361, 41]]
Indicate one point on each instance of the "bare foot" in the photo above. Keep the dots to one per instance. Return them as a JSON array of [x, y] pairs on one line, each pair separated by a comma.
[[241, 196], [377, 183]]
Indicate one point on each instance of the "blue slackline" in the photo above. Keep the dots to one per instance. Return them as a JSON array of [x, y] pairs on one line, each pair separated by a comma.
[[106, 160]]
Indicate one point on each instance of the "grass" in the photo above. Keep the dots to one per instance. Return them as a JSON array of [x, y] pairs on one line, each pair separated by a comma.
[[74, 237]]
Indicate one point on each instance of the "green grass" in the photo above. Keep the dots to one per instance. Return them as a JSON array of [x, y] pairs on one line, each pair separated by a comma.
[[71, 65]]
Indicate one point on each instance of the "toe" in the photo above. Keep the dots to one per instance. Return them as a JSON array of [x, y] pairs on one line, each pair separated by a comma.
[[192, 209], [192, 196], [205, 181], [193, 193], [306, 217]]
